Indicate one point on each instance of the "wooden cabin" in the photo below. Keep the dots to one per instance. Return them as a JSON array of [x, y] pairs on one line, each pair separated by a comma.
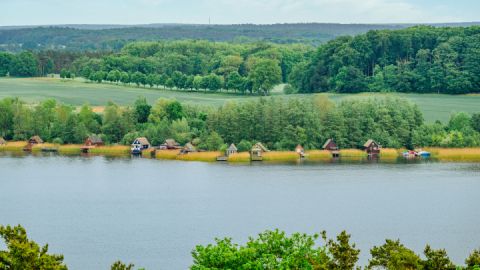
[[232, 149], [35, 140], [188, 148], [170, 144], [2, 141], [256, 153], [300, 151], [372, 148], [94, 140], [331, 146]]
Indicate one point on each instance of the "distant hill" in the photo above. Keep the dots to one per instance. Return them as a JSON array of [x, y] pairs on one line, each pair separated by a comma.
[[113, 37]]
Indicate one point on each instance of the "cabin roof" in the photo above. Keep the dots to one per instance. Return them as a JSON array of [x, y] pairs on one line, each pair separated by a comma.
[[299, 147], [2, 140], [369, 143], [232, 147], [260, 146], [327, 143], [36, 139], [189, 147], [95, 139], [171, 142], [142, 141]]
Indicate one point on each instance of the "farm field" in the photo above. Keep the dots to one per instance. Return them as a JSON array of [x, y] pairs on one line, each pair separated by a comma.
[[77, 92]]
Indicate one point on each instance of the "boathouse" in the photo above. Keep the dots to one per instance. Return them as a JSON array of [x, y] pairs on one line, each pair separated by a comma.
[[256, 153], [331, 146], [300, 150], [141, 143], [372, 147], [170, 144], [232, 149]]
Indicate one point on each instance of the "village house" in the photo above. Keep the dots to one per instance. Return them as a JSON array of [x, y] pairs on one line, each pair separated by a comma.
[[372, 148], [256, 153], [170, 144]]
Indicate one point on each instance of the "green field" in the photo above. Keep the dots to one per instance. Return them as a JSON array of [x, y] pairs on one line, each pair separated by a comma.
[[33, 90]]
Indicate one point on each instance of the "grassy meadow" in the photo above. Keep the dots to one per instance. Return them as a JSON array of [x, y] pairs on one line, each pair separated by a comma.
[[77, 92]]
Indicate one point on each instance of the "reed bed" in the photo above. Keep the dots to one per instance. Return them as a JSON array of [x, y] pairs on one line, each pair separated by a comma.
[[200, 156], [14, 146], [455, 154], [239, 157], [352, 153], [318, 155], [391, 153], [281, 156], [148, 153], [70, 149], [114, 150], [167, 154], [39, 147]]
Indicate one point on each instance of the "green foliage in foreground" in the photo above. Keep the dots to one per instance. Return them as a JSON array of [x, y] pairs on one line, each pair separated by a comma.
[[23, 253], [269, 250]]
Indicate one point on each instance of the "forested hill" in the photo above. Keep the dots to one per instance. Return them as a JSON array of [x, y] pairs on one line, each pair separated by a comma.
[[112, 37]]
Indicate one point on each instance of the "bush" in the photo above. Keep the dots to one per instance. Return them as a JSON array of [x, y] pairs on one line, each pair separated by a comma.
[[57, 141], [244, 146], [288, 90]]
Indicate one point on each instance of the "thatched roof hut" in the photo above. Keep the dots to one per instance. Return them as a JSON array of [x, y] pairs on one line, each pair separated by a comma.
[[35, 140], [170, 144], [261, 147], [141, 143], [188, 148], [2, 141], [94, 140]]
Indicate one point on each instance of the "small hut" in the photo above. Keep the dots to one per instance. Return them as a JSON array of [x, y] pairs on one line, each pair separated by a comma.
[[188, 148], [232, 149], [372, 147], [300, 151], [170, 144], [2, 141], [140, 144], [331, 146], [256, 153], [35, 140], [94, 140]]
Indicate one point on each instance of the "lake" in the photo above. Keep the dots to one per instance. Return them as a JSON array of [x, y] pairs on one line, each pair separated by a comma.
[[95, 210]]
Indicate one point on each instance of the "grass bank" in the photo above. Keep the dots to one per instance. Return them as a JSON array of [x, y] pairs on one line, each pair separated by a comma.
[[13, 146], [455, 154]]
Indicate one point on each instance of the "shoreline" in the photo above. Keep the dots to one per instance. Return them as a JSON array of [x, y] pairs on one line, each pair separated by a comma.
[[387, 154]]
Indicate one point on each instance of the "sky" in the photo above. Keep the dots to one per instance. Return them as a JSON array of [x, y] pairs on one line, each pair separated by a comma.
[[41, 12]]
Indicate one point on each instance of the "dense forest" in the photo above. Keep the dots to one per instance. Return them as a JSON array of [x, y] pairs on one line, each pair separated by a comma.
[[113, 38], [419, 59], [279, 124], [269, 250]]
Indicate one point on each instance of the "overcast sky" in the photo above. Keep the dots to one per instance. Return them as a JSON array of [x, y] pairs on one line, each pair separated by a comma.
[[29, 12]]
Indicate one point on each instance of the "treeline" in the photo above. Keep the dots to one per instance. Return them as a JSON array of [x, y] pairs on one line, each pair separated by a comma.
[[269, 250], [40, 63], [279, 124], [419, 59], [113, 38], [252, 67]]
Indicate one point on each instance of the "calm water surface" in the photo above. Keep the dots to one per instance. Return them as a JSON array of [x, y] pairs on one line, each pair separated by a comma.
[[152, 213]]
